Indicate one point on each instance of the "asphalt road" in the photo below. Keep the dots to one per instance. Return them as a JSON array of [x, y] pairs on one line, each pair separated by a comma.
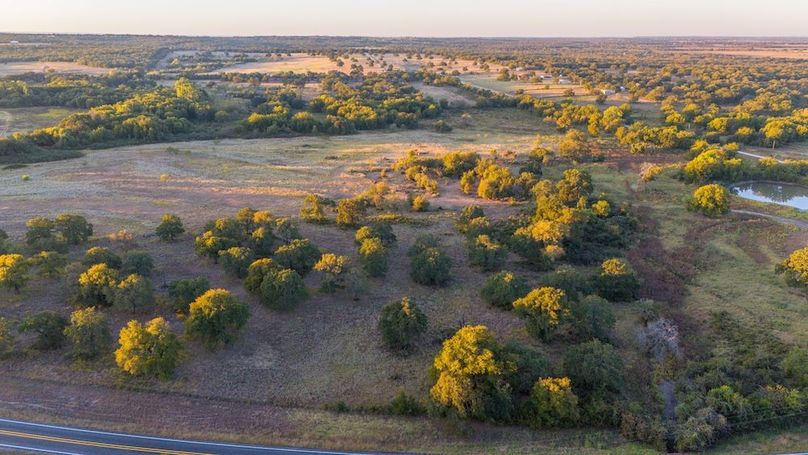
[[42, 438]]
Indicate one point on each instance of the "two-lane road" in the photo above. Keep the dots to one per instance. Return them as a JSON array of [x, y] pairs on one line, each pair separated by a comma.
[[42, 438]]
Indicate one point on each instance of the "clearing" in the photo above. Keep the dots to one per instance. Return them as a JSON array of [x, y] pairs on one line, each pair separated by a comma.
[[15, 68]]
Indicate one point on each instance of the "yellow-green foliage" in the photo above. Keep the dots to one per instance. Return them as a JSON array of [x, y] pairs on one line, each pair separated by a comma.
[[710, 200], [216, 317], [148, 350], [88, 333], [543, 308], [553, 403], [795, 268], [13, 271]]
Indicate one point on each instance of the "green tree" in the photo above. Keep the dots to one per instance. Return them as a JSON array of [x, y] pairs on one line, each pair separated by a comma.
[[617, 281], [502, 289], [543, 309], [282, 289], [96, 286], [553, 403], [299, 255], [74, 228], [373, 256], [13, 271], [262, 241], [429, 265], [170, 227], [183, 292], [710, 200], [487, 253], [313, 210], [49, 328], [400, 323], [139, 262], [101, 255], [350, 212], [151, 350], [40, 232], [88, 333], [573, 146], [333, 267], [133, 293], [256, 272], [470, 376], [209, 244], [381, 231], [592, 318], [594, 366], [236, 260], [49, 264], [216, 317]]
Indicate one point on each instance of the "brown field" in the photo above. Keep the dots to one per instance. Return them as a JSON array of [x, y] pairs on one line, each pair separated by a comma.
[[14, 68], [800, 54]]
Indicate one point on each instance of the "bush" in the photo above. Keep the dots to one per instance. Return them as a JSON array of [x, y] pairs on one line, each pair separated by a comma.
[[313, 210], [400, 323], [350, 212], [502, 289], [594, 367], [553, 403], [74, 229], [795, 268], [543, 309], [49, 264], [430, 266], [333, 268], [282, 289], [299, 255], [419, 202], [592, 318], [96, 286], [88, 333], [183, 292], [236, 260], [6, 338], [795, 366], [170, 228], [13, 271], [617, 281], [262, 241], [529, 363], [710, 200], [49, 328], [151, 350], [256, 272], [381, 231], [40, 234], [373, 256], [101, 255], [405, 405], [215, 317], [700, 431], [133, 293], [209, 244], [137, 262], [487, 254]]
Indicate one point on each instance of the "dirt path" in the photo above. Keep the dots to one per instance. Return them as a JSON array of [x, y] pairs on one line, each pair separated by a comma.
[[5, 122], [780, 219]]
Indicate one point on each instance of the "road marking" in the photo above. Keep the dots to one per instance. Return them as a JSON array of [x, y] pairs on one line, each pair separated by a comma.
[[36, 449], [155, 438], [104, 445]]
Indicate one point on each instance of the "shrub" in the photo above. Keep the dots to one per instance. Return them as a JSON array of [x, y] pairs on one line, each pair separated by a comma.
[[88, 333], [487, 254], [286, 230], [262, 241], [96, 286], [373, 256], [795, 366], [215, 317], [617, 281], [333, 268], [101, 255], [543, 309], [299, 255], [594, 366], [49, 328], [400, 323], [209, 244], [468, 213], [430, 266], [236, 260], [138, 262], [170, 228], [183, 292], [419, 202], [256, 272], [502, 289], [592, 318], [74, 229], [553, 403], [312, 210], [282, 289], [795, 268], [40, 233], [528, 364], [456, 163], [13, 271], [150, 350], [6, 338], [710, 200], [700, 431], [470, 376], [405, 405], [133, 293], [350, 212], [570, 280], [381, 231], [49, 264]]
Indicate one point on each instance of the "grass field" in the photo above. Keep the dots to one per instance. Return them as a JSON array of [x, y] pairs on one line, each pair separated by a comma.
[[14, 68], [30, 118]]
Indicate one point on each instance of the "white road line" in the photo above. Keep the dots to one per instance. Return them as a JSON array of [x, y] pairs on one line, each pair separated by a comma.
[[181, 441], [34, 449]]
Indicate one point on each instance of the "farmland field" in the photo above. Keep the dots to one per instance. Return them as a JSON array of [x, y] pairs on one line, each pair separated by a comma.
[[13, 68]]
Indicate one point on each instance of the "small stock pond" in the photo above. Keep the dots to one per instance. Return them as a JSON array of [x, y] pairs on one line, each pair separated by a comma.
[[788, 194]]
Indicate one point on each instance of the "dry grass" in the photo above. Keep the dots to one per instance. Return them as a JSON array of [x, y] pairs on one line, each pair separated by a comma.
[[31, 118], [14, 68]]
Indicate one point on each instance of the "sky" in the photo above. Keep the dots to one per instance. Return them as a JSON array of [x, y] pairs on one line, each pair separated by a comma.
[[463, 18]]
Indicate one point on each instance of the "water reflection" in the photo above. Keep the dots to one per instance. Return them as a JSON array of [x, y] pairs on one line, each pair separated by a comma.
[[787, 194]]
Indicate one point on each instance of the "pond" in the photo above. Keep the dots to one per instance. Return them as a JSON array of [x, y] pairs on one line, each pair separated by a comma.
[[788, 194]]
